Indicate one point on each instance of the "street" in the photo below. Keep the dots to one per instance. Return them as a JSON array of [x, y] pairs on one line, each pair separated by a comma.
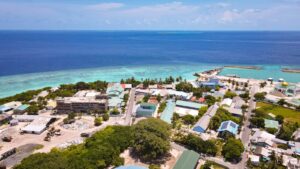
[[131, 102]]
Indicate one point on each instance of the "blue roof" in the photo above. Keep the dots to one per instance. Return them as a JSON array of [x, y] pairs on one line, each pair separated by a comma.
[[167, 114], [131, 167], [229, 126], [23, 107]]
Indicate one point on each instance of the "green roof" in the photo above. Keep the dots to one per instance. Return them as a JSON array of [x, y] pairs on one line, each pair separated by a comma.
[[271, 124], [188, 160], [187, 104]]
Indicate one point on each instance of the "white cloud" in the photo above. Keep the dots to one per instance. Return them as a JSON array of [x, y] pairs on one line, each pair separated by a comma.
[[105, 6]]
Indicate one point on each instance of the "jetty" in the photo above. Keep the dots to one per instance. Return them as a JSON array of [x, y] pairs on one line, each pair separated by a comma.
[[212, 72], [288, 70], [243, 67]]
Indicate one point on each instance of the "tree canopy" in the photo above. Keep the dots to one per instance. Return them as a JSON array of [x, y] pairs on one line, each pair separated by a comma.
[[233, 149], [151, 138]]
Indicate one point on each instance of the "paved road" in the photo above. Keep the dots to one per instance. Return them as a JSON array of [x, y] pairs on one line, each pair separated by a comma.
[[130, 105], [245, 136]]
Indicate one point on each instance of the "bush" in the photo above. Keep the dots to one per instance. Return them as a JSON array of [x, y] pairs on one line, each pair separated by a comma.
[[229, 94], [271, 130], [259, 96], [98, 121], [105, 117], [115, 111], [188, 119]]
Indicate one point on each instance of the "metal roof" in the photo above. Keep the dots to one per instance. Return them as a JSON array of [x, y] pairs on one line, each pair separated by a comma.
[[271, 123], [167, 114], [131, 167], [23, 107], [188, 160], [229, 126], [188, 104]]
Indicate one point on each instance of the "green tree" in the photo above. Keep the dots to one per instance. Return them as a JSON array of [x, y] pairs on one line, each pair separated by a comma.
[[188, 119], [229, 94], [105, 117], [98, 121], [232, 150], [259, 96], [280, 119], [151, 139], [154, 166]]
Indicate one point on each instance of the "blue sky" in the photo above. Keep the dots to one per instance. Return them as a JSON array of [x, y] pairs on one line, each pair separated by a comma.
[[150, 14]]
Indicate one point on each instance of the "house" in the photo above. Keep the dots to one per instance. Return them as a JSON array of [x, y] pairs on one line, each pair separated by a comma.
[[228, 127], [126, 86], [287, 89], [4, 118], [263, 153], [180, 94], [37, 125], [290, 162], [186, 107], [263, 138], [21, 109], [296, 135], [4, 109], [254, 159], [234, 111], [226, 102], [189, 105], [211, 83], [238, 102], [188, 160], [271, 124], [203, 122], [167, 114], [145, 110], [115, 93]]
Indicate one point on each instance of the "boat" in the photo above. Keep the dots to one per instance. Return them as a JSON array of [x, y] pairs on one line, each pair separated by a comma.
[[280, 80], [270, 79]]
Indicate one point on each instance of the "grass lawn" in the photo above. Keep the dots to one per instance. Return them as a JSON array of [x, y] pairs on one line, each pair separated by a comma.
[[288, 114]]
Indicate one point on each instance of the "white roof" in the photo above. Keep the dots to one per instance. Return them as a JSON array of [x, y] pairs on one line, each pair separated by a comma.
[[227, 102], [37, 125], [184, 111], [254, 158], [180, 93], [263, 136], [235, 111]]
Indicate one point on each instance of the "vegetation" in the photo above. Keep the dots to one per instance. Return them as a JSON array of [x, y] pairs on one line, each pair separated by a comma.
[[232, 150], [146, 98], [115, 111], [100, 151], [188, 119], [210, 100], [288, 114], [98, 121], [105, 117], [202, 111], [259, 96], [184, 86], [162, 107], [287, 129], [230, 94], [222, 115], [195, 143], [70, 118], [151, 139]]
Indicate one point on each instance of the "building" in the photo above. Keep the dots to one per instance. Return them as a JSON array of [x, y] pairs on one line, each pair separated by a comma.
[[238, 102], [288, 89], [21, 109], [234, 111], [211, 83], [271, 124], [187, 108], [228, 127], [4, 109], [226, 102], [167, 114], [145, 110], [180, 94], [203, 122], [115, 93], [296, 135], [263, 153], [81, 104], [189, 105], [254, 159], [4, 118], [263, 138], [37, 124], [188, 160]]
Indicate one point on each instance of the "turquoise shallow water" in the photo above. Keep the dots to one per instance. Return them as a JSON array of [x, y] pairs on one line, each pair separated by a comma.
[[10, 85]]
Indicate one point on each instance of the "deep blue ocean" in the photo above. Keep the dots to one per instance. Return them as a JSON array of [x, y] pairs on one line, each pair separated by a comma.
[[39, 51], [35, 59]]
